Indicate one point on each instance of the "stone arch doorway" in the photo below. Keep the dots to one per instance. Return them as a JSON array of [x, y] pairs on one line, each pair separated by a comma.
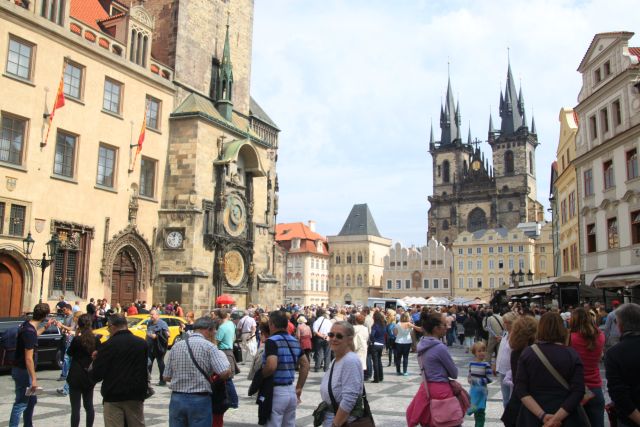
[[347, 299], [123, 279], [11, 287]]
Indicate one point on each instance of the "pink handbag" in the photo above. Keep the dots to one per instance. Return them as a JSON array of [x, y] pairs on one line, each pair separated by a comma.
[[444, 412]]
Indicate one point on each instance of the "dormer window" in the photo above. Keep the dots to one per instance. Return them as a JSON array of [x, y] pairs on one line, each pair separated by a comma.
[[295, 244], [319, 246]]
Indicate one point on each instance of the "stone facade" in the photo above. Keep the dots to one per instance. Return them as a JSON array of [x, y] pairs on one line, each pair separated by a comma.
[[484, 260], [607, 147], [83, 184], [418, 272], [468, 193]]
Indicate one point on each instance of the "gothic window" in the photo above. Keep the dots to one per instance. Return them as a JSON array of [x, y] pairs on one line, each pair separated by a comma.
[[531, 163], [337, 280], [347, 280], [359, 280], [477, 220], [445, 225], [445, 171], [359, 258], [348, 258], [72, 259], [464, 167], [508, 162]]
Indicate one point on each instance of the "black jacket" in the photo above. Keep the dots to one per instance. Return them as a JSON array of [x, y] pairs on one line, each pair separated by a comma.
[[121, 365], [623, 375]]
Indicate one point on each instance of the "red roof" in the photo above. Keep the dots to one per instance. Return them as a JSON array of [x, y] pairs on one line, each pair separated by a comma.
[[285, 233], [89, 12], [635, 51]]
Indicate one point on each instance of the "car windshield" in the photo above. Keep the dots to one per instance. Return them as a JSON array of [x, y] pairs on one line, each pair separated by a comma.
[[133, 321]]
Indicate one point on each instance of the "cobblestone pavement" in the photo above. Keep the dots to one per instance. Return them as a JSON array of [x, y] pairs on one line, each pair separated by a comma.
[[388, 399]]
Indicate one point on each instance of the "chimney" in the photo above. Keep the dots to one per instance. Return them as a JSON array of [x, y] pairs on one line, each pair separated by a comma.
[[312, 226]]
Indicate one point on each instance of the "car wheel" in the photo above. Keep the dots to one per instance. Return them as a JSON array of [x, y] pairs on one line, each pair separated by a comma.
[[58, 362]]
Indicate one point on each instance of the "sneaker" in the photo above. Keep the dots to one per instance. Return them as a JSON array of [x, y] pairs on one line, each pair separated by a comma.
[[61, 378], [398, 373], [406, 374], [61, 392]]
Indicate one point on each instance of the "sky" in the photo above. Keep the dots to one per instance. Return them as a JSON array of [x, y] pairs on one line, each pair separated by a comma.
[[355, 85]]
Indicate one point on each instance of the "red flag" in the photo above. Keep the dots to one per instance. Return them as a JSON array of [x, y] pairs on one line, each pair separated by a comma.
[[59, 103], [141, 137]]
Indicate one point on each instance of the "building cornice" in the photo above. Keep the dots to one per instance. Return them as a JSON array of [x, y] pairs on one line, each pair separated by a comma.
[[607, 145]]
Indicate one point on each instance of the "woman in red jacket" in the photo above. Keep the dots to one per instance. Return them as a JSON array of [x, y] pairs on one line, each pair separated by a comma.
[[588, 341]]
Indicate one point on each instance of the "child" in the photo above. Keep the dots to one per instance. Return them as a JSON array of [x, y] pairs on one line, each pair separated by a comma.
[[479, 372]]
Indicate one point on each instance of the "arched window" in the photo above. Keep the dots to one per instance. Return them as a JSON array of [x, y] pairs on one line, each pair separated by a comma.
[[445, 171], [477, 220], [359, 258], [337, 280], [348, 258], [531, 166], [445, 225], [359, 280], [508, 162], [347, 280], [464, 167], [338, 259]]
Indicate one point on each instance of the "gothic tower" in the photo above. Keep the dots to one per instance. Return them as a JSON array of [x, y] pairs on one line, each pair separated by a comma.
[[514, 147]]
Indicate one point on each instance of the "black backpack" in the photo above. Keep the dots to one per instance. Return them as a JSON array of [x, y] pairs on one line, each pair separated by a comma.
[[8, 343]]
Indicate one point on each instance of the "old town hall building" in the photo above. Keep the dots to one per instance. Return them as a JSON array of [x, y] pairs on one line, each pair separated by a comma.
[[468, 193]]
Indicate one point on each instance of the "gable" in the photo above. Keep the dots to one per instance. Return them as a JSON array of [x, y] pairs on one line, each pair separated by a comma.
[[600, 44]]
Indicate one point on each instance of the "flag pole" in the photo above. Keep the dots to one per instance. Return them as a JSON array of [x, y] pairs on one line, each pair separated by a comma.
[[57, 103], [140, 137]]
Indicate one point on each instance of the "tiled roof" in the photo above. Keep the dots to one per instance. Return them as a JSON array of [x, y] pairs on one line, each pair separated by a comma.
[[109, 18], [635, 51], [626, 34], [256, 110], [296, 230], [89, 12], [360, 223]]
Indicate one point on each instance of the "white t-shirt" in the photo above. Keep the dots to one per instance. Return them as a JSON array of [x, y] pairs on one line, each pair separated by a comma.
[[247, 323]]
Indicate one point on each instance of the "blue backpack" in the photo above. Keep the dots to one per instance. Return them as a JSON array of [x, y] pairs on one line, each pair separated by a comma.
[[8, 343]]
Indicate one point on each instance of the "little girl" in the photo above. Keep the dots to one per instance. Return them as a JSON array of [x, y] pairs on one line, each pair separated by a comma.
[[479, 372]]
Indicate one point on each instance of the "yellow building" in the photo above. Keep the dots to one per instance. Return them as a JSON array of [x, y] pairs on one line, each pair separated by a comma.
[[191, 216], [566, 203], [485, 260], [418, 272], [83, 184], [307, 268], [357, 259]]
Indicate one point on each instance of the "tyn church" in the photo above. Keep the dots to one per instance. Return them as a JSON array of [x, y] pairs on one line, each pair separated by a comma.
[[469, 194]]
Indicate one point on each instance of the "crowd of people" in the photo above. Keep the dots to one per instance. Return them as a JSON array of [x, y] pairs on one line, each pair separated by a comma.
[[547, 362]]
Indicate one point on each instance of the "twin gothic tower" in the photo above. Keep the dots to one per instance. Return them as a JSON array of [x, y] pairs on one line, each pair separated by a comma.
[[468, 193]]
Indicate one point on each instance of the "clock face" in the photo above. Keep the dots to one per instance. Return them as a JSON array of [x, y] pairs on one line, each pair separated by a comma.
[[233, 267], [174, 239], [476, 165], [235, 216]]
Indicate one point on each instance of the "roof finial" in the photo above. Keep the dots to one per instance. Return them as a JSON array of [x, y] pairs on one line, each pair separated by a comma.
[[448, 68], [228, 15], [508, 55]]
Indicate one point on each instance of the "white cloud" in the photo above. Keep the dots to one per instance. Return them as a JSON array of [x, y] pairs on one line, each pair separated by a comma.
[[354, 86]]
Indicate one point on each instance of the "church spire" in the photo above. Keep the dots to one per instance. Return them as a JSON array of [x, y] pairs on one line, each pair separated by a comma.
[[533, 124], [511, 106], [449, 118], [224, 93], [431, 140]]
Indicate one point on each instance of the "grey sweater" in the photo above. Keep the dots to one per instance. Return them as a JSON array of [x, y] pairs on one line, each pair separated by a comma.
[[347, 382]]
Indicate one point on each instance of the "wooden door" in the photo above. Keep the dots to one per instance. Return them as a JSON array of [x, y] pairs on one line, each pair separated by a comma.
[[10, 287], [123, 278]]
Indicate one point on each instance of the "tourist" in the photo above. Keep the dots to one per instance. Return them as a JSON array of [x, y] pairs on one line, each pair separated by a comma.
[[494, 327], [469, 325], [503, 360], [361, 340], [67, 328], [282, 355], [391, 335], [321, 328], [545, 398], [377, 345], [479, 371], [303, 334], [461, 317], [621, 363], [80, 383], [263, 328], [23, 371], [190, 366], [436, 365], [588, 341], [246, 331], [343, 385], [158, 342], [403, 343], [121, 365]]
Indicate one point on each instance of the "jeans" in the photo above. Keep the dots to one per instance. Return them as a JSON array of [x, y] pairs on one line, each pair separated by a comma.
[[595, 408], [468, 342], [451, 337], [190, 410], [323, 353], [368, 373], [283, 409], [23, 405], [376, 358], [402, 352], [160, 358], [506, 391], [87, 400]]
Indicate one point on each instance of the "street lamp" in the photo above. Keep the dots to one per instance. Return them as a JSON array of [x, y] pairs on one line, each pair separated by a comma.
[[47, 258], [513, 276], [520, 276], [530, 276]]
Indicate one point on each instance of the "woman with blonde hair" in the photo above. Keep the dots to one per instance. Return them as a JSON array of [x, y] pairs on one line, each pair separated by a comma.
[[391, 335], [403, 343], [361, 339]]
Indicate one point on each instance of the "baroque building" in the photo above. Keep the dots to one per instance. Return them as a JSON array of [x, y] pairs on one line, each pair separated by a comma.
[[307, 264], [356, 261], [189, 213], [418, 272], [608, 175], [469, 194]]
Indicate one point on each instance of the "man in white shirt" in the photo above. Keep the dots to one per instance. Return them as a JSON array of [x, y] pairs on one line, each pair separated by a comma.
[[247, 330], [321, 327]]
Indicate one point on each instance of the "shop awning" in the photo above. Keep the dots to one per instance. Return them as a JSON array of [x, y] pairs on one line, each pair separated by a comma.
[[618, 277], [531, 289]]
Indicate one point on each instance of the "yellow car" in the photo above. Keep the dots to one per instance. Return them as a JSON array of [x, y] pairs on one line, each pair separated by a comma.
[[138, 326]]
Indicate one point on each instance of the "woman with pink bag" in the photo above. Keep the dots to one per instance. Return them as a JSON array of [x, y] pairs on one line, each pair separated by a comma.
[[437, 404]]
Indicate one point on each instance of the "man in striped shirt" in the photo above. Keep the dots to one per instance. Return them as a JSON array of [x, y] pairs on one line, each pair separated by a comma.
[[190, 403], [282, 354]]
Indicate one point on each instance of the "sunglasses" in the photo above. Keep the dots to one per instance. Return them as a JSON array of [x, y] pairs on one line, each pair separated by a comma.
[[335, 335]]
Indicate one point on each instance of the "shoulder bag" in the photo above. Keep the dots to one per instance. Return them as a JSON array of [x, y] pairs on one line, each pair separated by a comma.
[[443, 412], [580, 410], [220, 399], [366, 420]]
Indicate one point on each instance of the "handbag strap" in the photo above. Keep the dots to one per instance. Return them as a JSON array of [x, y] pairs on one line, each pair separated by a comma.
[[193, 359], [549, 367], [423, 373], [334, 403]]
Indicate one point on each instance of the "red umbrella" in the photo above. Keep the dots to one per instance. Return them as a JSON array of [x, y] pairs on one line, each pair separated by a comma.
[[225, 299]]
